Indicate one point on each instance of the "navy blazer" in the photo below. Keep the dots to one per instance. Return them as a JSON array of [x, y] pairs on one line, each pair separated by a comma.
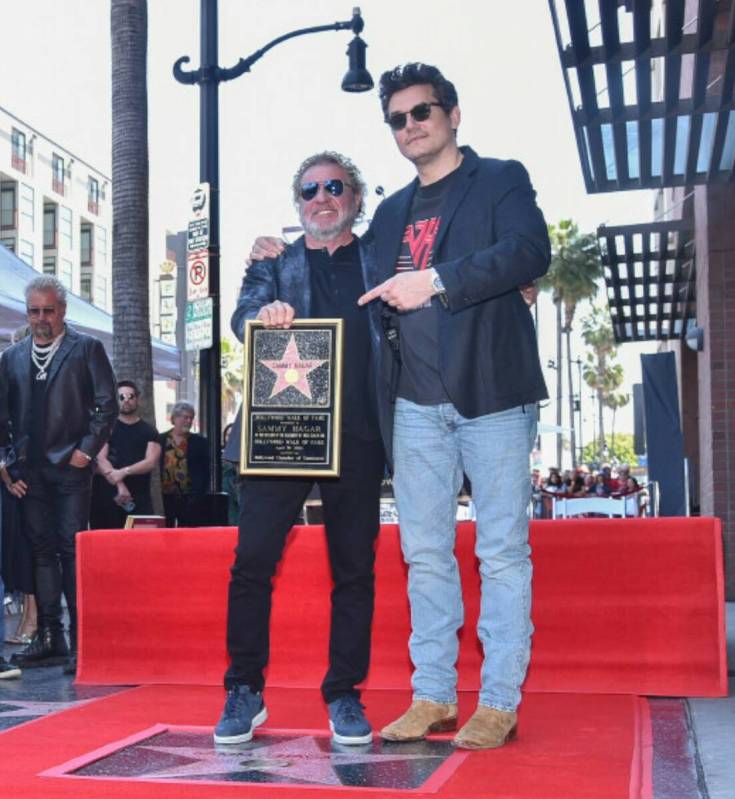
[[287, 278], [492, 239]]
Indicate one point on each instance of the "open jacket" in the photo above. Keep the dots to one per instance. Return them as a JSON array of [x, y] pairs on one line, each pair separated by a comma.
[[492, 239], [287, 278], [81, 405]]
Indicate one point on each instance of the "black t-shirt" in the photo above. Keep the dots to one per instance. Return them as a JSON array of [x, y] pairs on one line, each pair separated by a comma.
[[37, 432], [127, 445], [420, 380], [336, 283]]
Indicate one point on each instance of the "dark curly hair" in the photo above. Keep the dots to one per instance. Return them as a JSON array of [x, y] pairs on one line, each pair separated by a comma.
[[405, 75]]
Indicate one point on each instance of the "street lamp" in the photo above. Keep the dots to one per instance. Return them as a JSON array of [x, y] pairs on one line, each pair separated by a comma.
[[209, 76]]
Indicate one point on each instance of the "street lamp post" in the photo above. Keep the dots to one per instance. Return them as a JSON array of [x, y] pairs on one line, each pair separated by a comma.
[[209, 76]]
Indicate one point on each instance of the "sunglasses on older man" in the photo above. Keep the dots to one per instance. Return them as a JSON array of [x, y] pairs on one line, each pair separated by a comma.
[[333, 186], [419, 113]]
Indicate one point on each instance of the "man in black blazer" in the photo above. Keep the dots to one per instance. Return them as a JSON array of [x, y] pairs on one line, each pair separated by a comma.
[[57, 408], [321, 275], [464, 377]]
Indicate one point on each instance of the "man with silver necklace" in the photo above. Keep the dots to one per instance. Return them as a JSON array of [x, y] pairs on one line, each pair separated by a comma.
[[57, 407]]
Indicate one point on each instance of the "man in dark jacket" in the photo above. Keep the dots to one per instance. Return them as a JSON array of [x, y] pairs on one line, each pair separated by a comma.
[[453, 247], [184, 470], [57, 407], [321, 275]]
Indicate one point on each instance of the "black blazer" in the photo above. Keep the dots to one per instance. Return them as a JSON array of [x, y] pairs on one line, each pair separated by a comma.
[[287, 278], [81, 406], [492, 239]]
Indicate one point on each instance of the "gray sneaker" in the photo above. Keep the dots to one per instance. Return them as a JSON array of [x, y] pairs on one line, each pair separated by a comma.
[[244, 711]]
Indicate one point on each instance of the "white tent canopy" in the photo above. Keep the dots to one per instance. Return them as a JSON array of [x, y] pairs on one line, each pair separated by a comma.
[[16, 274]]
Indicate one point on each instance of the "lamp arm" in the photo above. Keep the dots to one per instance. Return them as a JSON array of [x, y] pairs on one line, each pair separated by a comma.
[[244, 64]]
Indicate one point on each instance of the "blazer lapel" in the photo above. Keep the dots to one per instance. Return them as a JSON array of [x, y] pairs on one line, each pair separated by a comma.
[[455, 197], [391, 232], [296, 279], [67, 345]]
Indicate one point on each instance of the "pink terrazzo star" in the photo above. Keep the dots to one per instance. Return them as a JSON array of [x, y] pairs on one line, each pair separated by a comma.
[[291, 370]]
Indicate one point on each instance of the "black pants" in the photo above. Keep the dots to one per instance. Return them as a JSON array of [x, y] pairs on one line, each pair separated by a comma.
[[185, 510], [56, 508], [268, 509], [106, 514]]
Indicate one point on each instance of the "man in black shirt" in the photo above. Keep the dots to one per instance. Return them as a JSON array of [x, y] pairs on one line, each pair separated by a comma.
[[321, 275], [124, 465], [57, 406]]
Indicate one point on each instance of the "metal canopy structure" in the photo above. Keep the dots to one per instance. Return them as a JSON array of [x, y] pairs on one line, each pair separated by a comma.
[[650, 279], [650, 90]]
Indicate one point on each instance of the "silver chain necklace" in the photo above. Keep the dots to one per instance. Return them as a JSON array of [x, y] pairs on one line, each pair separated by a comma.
[[42, 355]]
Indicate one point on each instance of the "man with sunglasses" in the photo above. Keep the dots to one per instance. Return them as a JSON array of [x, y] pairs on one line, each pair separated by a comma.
[[122, 484], [57, 407], [453, 247], [321, 275]]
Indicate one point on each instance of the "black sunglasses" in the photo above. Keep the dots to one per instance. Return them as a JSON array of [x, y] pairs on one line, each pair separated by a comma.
[[123, 397], [334, 186], [419, 113]]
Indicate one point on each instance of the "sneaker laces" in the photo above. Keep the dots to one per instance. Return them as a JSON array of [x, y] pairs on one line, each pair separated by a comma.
[[236, 701], [350, 709]]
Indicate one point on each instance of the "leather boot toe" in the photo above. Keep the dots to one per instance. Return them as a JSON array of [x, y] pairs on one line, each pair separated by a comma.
[[420, 719], [488, 728]]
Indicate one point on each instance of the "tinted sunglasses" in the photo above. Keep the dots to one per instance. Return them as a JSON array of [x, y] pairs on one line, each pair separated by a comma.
[[419, 113], [123, 397], [334, 186]]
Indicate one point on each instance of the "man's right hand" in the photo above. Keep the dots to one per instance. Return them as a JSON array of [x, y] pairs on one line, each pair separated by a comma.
[[17, 488], [266, 247], [276, 314]]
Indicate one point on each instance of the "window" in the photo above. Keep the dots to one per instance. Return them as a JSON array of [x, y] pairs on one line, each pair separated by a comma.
[[57, 174], [100, 292], [65, 272], [26, 251], [93, 196], [65, 228], [50, 227], [7, 206], [100, 253], [86, 244], [27, 210], [20, 150], [49, 264]]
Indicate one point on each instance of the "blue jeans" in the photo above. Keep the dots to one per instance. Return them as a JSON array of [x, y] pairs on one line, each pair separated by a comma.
[[432, 446]]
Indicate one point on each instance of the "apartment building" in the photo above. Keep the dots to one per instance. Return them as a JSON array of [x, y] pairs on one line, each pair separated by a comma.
[[55, 211]]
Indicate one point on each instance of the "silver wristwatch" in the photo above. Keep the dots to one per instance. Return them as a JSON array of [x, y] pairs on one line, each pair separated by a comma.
[[437, 284]]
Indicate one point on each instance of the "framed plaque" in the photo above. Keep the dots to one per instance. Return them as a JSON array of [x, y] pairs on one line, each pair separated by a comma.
[[291, 408]]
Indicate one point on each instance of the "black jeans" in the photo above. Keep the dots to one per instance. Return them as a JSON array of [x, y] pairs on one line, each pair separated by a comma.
[[56, 507], [268, 509]]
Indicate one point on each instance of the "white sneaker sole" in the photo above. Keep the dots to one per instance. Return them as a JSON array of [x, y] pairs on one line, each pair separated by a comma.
[[350, 740], [245, 737]]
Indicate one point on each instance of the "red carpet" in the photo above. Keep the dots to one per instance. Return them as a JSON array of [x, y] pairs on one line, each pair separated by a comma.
[[620, 606], [585, 747]]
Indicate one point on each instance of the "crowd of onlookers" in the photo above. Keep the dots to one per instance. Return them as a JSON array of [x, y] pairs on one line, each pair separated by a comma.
[[608, 481]]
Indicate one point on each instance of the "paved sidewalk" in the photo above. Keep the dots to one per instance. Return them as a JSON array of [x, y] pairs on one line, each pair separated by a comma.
[[713, 722]]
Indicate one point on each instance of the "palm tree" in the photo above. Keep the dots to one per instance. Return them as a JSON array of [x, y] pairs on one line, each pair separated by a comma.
[[572, 277], [615, 401], [600, 372], [130, 281]]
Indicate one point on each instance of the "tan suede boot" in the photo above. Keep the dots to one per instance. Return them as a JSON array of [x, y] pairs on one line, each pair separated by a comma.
[[420, 719], [487, 729]]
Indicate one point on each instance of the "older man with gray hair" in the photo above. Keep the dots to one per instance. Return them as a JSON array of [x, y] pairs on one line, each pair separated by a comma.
[[184, 470], [57, 407]]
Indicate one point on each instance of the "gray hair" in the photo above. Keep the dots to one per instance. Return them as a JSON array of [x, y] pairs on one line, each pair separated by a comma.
[[47, 283], [182, 406], [342, 161]]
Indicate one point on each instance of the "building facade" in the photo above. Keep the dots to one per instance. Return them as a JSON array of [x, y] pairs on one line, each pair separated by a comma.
[[55, 211]]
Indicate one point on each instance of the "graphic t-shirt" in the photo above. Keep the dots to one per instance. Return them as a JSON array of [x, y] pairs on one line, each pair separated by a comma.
[[420, 380]]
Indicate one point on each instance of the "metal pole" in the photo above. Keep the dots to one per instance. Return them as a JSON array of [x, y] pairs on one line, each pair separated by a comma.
[[210, 377]]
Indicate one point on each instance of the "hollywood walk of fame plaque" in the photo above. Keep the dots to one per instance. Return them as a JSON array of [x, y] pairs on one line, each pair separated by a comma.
[[291, 399]]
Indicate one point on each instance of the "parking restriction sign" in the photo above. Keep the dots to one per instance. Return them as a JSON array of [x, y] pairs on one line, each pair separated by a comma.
[[197, 275]]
